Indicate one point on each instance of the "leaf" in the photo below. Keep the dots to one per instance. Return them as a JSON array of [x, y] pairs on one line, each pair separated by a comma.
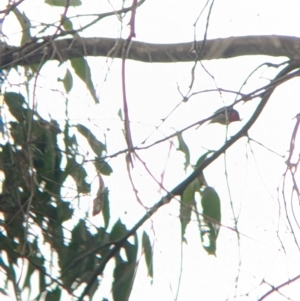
[[63, 2], [124, 272], [99, 200], [64, 212], [15, 102], [186, 204], [211, 210], [82, 69], [42, 280], [67, 25], [117, 231], [25, 24], [202, 158], [78, 173], [131, 249], [123, 280], [103, 167], [67, 81], [97, 146], [211, 204], [30, 271], [147, 248], [184, 148], [106, 208], [120, 114], [53, 295]]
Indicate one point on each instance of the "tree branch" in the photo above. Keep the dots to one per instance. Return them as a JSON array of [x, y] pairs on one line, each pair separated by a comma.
[[33, 51], [179, 189], [276, 288]]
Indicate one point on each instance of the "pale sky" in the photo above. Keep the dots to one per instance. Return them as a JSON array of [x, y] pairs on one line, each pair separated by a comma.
[[254, 175]]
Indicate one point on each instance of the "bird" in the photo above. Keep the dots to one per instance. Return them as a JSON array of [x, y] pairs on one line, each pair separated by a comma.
[[225, 116]]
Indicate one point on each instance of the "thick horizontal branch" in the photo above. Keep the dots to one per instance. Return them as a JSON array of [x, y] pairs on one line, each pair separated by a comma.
[[44, 49]]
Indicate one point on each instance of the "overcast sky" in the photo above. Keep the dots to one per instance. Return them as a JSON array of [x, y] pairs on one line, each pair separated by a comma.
[[254, 173]]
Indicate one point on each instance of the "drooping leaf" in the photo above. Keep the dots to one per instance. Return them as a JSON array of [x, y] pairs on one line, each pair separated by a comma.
[[79, 174], [184, 148], [106, 208], [15, 102], [54, 295], [97, 146], [202, 158], [211, 210], [30, 270], [63, 2], [35, 260], [64, 211], [187, 204], [82, 69], [42, 280], [120, 114], [211, 205], [25, 25], [99, 200], [124, 272], [131, 249], [147, 248], [103, 167], [117, 231], [67, 25], [67, 81]]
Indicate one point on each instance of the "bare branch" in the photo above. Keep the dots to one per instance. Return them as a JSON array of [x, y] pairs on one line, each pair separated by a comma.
[[179, 189]]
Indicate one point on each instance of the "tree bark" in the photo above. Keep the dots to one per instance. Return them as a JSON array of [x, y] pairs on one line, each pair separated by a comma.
[[44, 49]]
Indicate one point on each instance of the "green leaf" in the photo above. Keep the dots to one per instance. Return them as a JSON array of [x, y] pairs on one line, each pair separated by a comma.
[[131, 249], [78, 173], [67, 81], [82, 69], [186, 206], [42, 280], [184, 148], [30, 271], [67, 25], [25, 24], [64, 212], [147, 248], [211, 204], [124, 272], [53, 295], [63, 2], [202, 158], [97, 146], [103, 167], [211, 210], [120, 114], [79, 235], [15, 102], [123, 280], [106, 208], [187, 203], [117, 231]]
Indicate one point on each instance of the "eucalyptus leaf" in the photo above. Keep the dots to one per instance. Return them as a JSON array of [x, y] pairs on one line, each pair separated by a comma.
[[82, 69], [184, 148]]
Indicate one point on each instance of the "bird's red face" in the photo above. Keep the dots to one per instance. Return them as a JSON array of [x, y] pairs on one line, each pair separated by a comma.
[[226, 116], [234, 116]]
